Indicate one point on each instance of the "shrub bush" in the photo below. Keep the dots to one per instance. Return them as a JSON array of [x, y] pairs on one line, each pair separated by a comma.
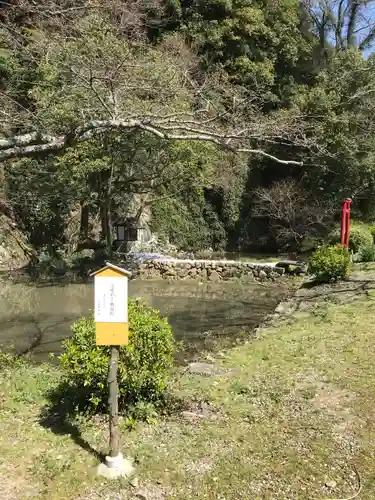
[[330, 263], [8, 359], [367, 253], [371, 228], [52, 262], [79, 259], [144, 364], [360, 236]]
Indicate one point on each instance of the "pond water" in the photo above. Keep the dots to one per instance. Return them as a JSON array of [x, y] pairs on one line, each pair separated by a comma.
[[36, 318]]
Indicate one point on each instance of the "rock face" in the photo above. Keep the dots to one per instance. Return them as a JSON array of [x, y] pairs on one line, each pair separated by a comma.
[[202, 270], [214, 276], [12, 240]]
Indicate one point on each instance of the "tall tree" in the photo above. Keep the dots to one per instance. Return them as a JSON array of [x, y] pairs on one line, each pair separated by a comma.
[[90, 78], [259, 43], [343, 23], [341, 111]]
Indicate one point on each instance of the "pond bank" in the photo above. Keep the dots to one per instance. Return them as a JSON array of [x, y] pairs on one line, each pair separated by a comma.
[[286, 415], [211, 270]]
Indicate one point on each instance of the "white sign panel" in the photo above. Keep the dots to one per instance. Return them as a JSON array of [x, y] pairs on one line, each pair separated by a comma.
[[111, 300]]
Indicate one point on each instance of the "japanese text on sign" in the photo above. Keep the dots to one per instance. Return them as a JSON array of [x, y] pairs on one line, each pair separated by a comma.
[[111, 295]]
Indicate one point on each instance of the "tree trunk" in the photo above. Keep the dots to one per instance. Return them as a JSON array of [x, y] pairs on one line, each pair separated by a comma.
[[109, 210], [84, 223], [352, 23], [105, 181], [106, 225], [114, 445], [109, 227]]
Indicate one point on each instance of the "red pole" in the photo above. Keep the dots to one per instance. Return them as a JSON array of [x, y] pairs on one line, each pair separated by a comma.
[[347, 229], [343, 222]]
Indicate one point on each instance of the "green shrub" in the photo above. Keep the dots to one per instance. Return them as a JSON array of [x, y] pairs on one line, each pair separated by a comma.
[[101, 254], [360, 236], [6, 359], [52, 262], [371, 228], [144, 364], [9, 359], [188, 228], [82, 257], [367, 253], [330, 263]]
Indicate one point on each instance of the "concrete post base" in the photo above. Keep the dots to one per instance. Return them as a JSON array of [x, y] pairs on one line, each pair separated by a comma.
[[115, 467]]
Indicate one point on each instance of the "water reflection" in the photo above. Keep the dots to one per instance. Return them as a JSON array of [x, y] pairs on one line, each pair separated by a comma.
[[37, 318]]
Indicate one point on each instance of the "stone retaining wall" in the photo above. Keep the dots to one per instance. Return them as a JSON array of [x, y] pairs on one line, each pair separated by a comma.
[[207, 270]]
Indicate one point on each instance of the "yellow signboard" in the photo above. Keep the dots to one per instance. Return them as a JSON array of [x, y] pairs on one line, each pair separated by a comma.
[[111, 305]]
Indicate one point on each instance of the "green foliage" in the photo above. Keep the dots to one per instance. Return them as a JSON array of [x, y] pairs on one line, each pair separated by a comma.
[[173, 219], [9, 359], [251, 40], [39, 195], [330, 263], [151, 76], [144, 364], [203, 205], [183, 213], [265, 54], [360, 236], [371, 228], [52, 262], [78, 259], [342, 120], [189, 227], [143, 411], [367, 253]]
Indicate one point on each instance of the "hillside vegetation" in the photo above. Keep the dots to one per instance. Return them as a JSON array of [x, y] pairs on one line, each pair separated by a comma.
[[231, 124]]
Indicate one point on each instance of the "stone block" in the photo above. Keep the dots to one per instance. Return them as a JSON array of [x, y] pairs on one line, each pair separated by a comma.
[[214, 276]]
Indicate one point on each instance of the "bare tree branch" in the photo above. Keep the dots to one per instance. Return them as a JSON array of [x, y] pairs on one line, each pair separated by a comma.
[[33, 143], [291, 212], [343, 21], [93, 79]]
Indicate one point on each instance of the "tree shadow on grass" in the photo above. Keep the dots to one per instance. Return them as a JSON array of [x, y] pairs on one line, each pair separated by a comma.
[[66, 402]]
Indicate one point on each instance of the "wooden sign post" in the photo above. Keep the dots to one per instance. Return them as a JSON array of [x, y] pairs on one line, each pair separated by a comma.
[[111, 321]]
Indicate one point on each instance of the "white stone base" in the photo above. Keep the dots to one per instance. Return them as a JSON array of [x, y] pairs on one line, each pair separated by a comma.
[[115, 467]]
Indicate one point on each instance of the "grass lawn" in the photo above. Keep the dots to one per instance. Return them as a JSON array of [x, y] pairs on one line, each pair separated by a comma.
[[295, 421]]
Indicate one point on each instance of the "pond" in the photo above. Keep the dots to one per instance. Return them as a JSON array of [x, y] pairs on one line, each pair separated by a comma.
[[36, 318]]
